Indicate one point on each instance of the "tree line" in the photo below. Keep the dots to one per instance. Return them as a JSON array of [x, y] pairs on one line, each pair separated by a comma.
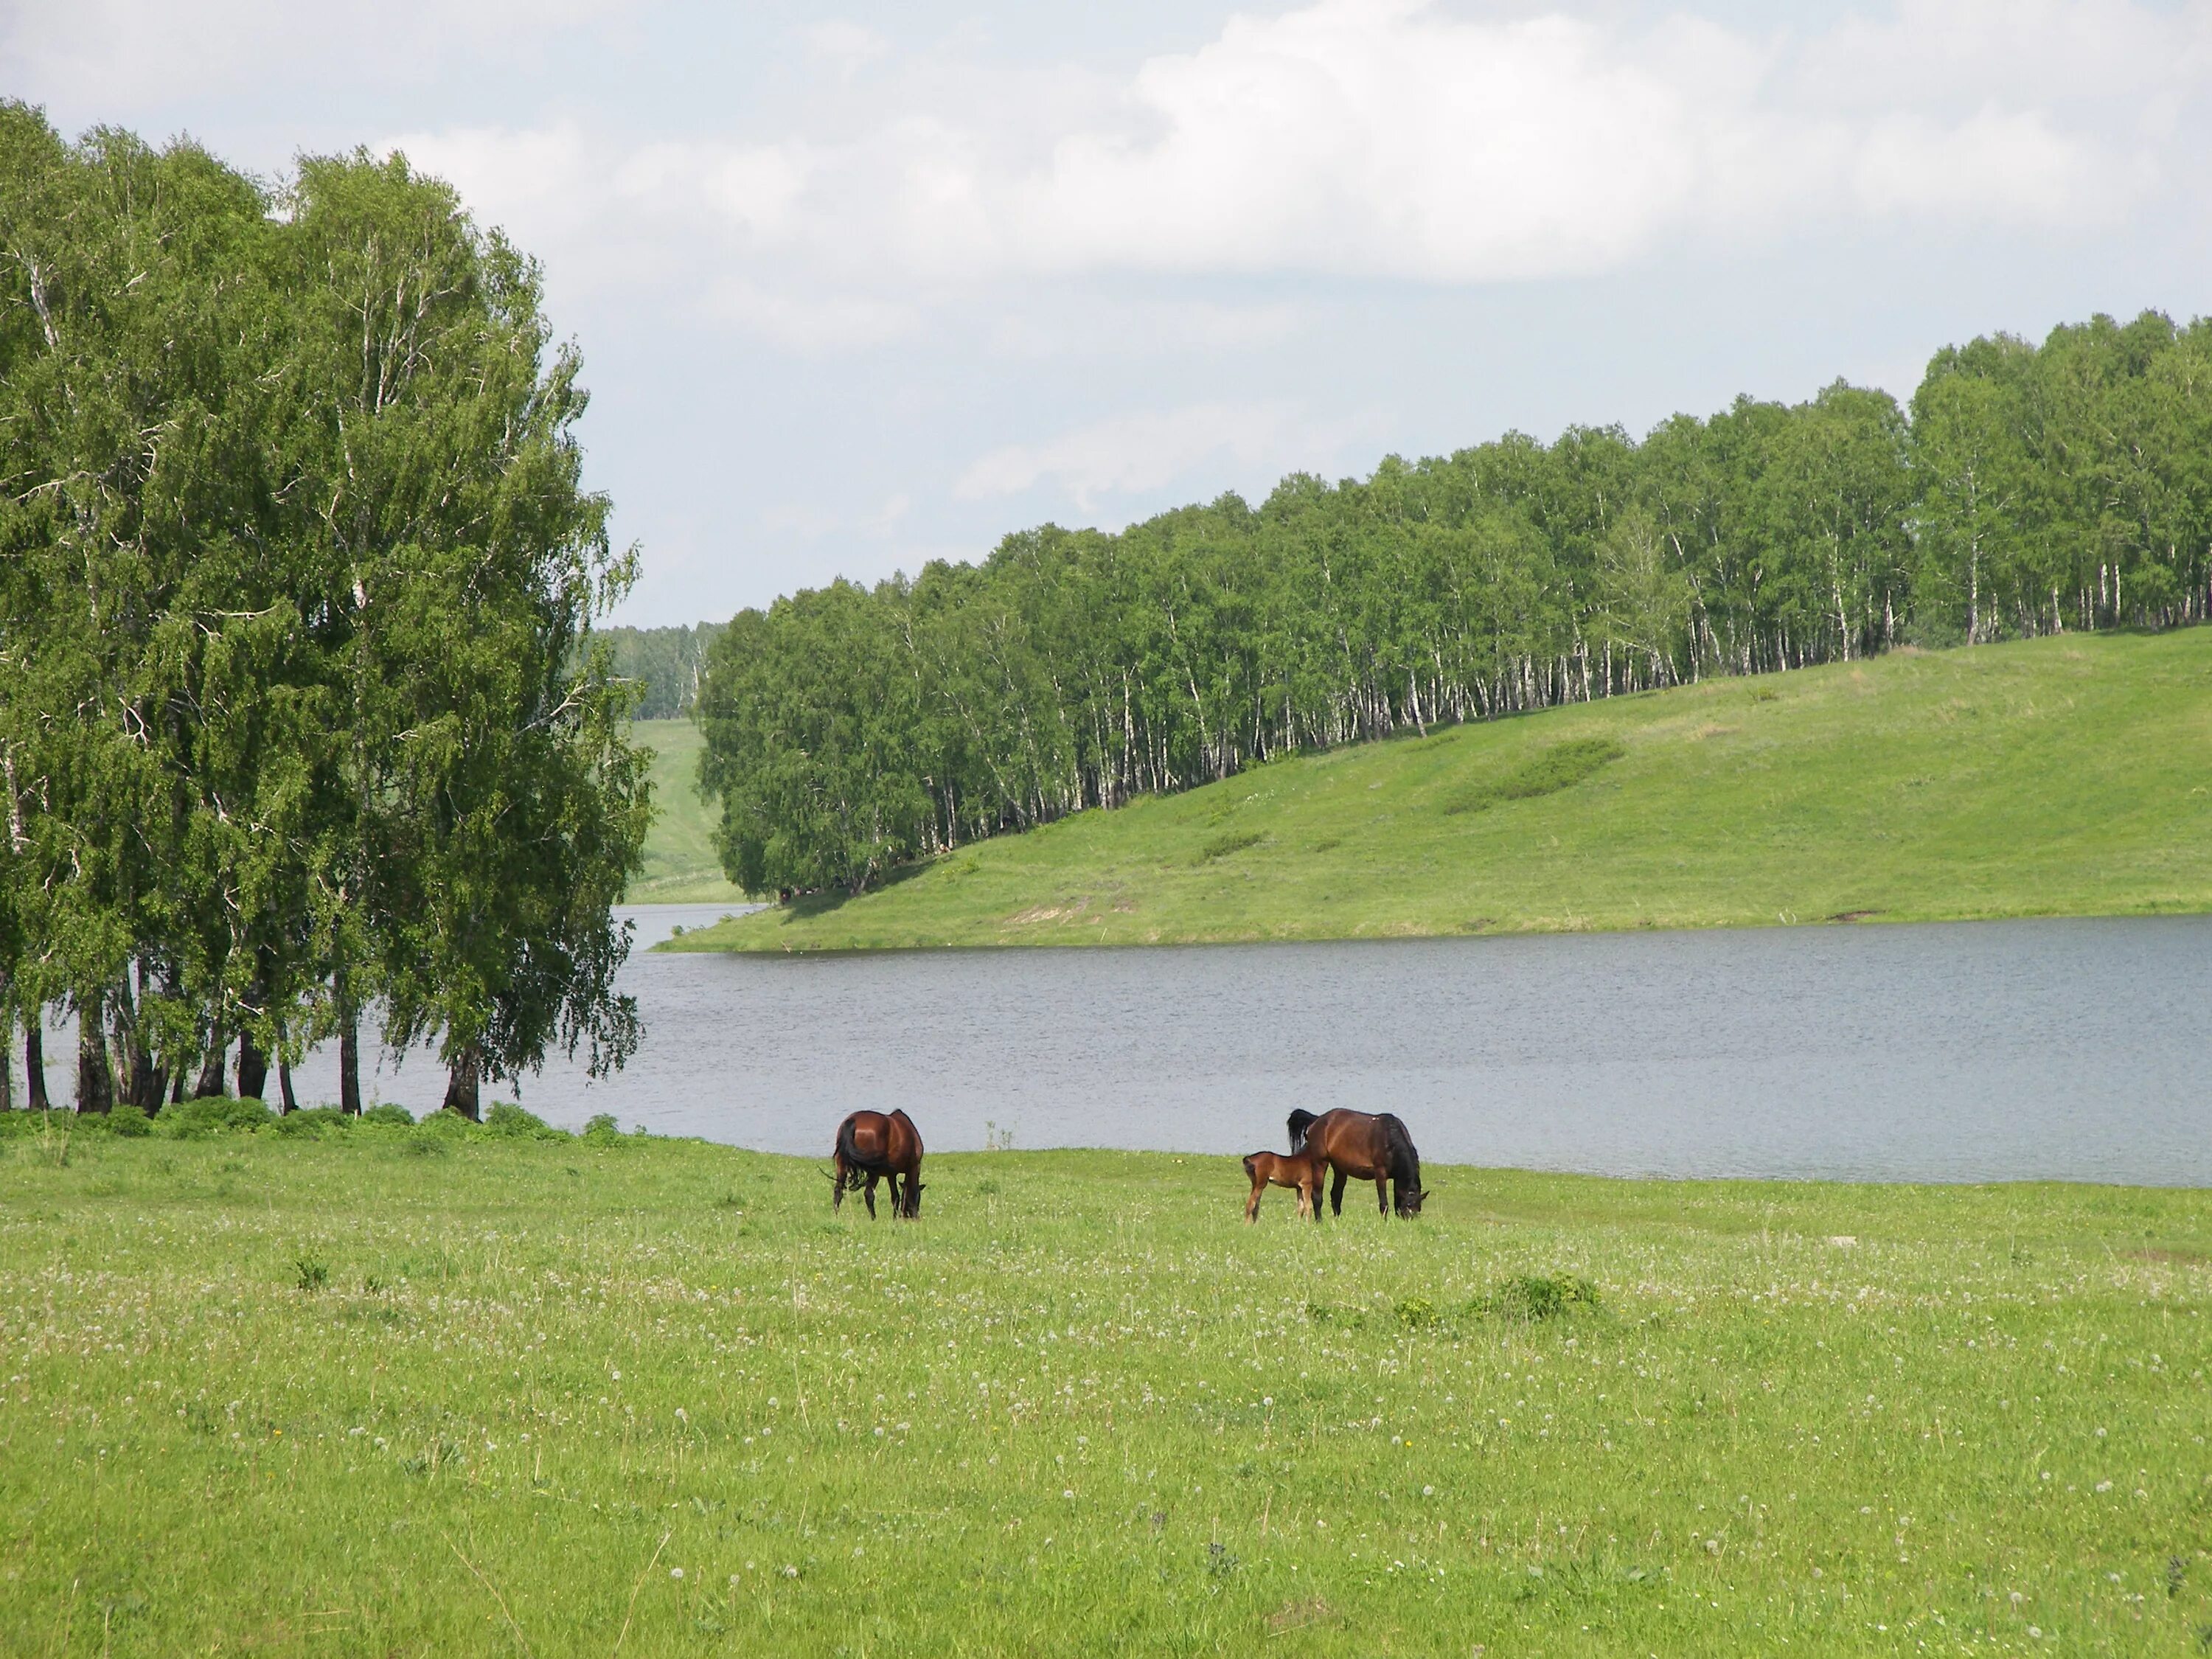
[[664, 664], [2030, 490], [301, 718]]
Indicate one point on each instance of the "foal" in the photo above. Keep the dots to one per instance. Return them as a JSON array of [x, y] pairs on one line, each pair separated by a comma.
[[1301, 1171]]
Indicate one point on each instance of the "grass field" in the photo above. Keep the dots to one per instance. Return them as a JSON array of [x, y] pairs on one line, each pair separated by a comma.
[[680, 864], [416, 1391], [2063, 776]]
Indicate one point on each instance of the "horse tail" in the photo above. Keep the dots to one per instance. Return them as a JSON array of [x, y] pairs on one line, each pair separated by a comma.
[[850, 1154], [1398, 1146], [1300, 1122], [1249, 1163]]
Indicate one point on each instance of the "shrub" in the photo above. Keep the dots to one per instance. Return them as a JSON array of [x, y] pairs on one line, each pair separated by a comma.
[[602, 1130], [1417, 1313], [506, 1118], [1531, 1297], [129, 1122], [314, 1120], [196, 1120], [388, 1112]]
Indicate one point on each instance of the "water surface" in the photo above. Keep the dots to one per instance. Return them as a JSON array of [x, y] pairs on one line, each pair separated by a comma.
[[2004, 1050]]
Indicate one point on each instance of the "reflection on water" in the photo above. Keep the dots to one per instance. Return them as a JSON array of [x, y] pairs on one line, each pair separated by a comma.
[[1981, 1051]]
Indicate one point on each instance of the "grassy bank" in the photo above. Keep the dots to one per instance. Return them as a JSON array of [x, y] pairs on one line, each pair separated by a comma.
[[680, 863], [414, 1390], [2065, 776]]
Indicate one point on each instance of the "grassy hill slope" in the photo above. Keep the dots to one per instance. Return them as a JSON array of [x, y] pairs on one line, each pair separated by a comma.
[[2063, 776], [680, 865]]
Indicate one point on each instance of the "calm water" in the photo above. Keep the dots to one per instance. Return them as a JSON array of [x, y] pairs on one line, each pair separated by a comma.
[[1983, 1051]]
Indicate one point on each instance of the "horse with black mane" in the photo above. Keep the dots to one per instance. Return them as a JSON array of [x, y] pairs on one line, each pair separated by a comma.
[[1367, 1146], [871, 1147]]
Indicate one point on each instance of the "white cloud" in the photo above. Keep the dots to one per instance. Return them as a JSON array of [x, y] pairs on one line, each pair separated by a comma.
[[844, 44], [1131, 454], [116, 52], [1388, 137], [1370, 138]]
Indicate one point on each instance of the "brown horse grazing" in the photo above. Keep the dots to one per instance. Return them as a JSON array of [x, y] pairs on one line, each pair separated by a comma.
[[1369, 1146], [1301, 1172], [871, 1147]]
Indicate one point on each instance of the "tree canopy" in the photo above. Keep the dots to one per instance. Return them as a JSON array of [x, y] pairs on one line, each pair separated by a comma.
[[300, 707]]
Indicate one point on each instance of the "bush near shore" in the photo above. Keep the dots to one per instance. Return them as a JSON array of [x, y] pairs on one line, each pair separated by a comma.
[[315, 1392]]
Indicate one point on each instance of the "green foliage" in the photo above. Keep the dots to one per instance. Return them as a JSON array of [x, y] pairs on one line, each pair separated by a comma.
[[1531, 1298], [388, 1112], [1138, 1364], [310, 1274], [664, 664], [300, 706], [314, 1120], [1417, 1313], [196, 1120], [509, 1119], [2057, 776]]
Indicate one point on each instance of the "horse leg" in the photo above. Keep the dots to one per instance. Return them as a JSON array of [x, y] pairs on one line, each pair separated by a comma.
[[898, 1206], [1252, 1204], [837, 1192], [1382, 1196], [1336, 1193], [871, 1194]]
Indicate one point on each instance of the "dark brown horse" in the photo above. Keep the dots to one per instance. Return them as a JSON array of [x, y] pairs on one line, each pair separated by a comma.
[[1368, 1146], [1300, 1171], [871, 1147]]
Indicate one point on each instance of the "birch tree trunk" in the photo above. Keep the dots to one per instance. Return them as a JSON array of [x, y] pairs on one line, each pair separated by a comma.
[[35, 1062], [252, 1068], [464, 1082], [95, 1083]]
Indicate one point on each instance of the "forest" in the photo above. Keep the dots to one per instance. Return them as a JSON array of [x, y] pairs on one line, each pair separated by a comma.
[[665, 664], [2026, 490], [301, 721]]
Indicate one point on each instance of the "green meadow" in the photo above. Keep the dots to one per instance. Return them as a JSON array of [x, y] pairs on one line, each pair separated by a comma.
[[681, 867], [2058, 777], [436, 1390]]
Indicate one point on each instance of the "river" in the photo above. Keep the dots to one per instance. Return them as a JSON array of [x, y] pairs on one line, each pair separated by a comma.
[[2066, 1049]]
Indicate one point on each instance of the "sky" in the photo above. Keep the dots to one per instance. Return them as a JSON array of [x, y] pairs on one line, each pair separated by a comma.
[[858, 286]]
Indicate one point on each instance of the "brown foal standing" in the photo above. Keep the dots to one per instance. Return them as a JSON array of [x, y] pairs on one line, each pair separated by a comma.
[[1300, 1171]]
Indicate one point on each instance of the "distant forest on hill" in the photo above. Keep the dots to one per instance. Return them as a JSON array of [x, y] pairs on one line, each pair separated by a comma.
[[2031, 489], [665, 663]]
